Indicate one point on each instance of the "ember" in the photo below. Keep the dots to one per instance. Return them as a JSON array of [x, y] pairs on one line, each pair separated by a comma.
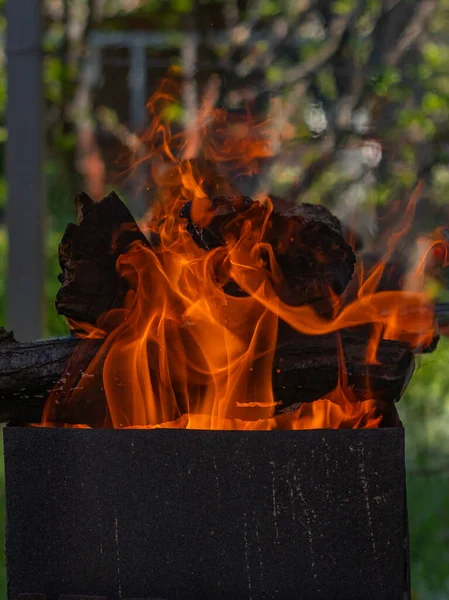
[[203, 318]]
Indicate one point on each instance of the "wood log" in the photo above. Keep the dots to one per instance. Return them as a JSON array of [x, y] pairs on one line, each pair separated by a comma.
[[28, 371], [306, 368], [307, 240], [88, 255]]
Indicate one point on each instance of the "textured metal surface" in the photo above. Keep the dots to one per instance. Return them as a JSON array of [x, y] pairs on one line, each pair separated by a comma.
[[177, 514], [72, 597]]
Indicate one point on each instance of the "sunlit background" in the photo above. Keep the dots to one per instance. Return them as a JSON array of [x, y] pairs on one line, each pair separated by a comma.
[[359, 91]]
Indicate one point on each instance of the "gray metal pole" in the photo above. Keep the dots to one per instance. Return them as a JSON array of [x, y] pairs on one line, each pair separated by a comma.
[[138, 86], [25, 169], [138, 118]]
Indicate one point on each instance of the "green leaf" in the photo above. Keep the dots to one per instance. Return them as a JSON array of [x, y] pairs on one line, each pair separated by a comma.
[[433, 103], [269, 8], [343, 7], [183, 6], [434, 55], [384, 80], [326, 84], [274, 74]]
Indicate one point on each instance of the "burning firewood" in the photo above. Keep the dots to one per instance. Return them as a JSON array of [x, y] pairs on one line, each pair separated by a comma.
[[314, 260], [307, 242], [29, 371]]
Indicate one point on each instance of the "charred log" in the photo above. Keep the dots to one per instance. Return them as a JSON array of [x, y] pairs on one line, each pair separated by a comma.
[[72, 401], [28, 371], [313, 257], [88, 255], [306, 368], [307, 241]]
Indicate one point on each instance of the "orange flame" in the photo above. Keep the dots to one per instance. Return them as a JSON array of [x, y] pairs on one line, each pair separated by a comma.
[[185, 353]]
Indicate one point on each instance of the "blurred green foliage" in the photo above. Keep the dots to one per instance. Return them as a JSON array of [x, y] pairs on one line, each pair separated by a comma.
[[424, 410]]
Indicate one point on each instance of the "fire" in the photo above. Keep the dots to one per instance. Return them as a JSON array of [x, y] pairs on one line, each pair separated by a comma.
[[189, 351]]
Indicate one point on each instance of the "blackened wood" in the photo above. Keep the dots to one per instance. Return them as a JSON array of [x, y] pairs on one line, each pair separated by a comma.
[[88, 255], [307, 241], [28, 371], [62, 406], [305, 369]]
